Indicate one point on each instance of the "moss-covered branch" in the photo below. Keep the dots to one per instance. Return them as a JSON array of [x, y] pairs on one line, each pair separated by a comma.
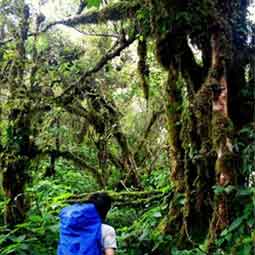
[[132, 198], [78, 86], [115, 12]]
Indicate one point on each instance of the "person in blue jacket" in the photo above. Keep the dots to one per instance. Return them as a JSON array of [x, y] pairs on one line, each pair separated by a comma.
[[102, 202], [83, 230]]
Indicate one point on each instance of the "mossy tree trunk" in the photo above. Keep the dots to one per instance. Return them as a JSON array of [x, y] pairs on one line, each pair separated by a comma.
[[16, 152], [222, 134], [201, 131], [16, 164]]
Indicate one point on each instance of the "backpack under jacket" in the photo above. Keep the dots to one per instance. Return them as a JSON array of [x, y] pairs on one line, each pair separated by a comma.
[[80, 230]]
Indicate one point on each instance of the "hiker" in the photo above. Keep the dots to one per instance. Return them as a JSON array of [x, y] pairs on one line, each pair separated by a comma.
[[83, 230]]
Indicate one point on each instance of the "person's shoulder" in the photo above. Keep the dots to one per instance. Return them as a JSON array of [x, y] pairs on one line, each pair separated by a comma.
[[107, 228]]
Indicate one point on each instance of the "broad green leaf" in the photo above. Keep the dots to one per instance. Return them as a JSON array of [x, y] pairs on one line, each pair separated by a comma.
[[35, 218], [236, 223]]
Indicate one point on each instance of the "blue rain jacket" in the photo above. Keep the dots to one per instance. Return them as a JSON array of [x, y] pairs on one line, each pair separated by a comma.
[[80, 230]]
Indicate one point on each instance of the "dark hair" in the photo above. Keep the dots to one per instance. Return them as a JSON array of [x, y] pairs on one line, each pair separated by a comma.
[[102, 202]]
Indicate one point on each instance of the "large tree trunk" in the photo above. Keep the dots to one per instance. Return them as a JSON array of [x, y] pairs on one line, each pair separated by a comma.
[[201, 135], [16, 154], [16, 164], [222, 134]]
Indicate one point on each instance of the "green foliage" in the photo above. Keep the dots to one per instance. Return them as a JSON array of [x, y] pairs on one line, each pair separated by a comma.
[[39, 233], [197, 251], [157, 179], [248, 151], [144, 236], [238, 238], [94, 3]]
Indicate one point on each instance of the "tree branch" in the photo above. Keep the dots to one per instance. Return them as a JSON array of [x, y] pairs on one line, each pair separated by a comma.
[[96, 34], [82, 6], [114, 12], [102, 62], [134, 198], [6, 41]]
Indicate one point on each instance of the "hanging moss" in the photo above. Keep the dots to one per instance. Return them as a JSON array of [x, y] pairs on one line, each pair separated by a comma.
[[203, 101], [177, 221], [143, 67], [187, 130]]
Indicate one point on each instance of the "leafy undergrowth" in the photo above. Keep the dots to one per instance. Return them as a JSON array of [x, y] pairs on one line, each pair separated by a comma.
[[139, 229]]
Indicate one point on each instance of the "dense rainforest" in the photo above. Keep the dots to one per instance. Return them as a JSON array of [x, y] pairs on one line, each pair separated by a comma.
[[151, 101]]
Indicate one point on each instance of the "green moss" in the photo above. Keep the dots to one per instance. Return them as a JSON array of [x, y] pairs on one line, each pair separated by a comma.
[[222, 128], [173, 114], [203, 114], [117, 11], [174, 219]]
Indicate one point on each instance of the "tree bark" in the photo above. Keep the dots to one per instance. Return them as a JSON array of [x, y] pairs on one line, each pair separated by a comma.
[[16, 163], [16, 154]]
